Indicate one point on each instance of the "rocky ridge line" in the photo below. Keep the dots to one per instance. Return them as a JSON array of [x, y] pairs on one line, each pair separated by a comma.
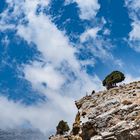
[[108, 115]]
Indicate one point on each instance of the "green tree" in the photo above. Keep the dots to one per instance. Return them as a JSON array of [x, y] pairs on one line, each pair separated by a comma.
[[62, 127], [112, 79]]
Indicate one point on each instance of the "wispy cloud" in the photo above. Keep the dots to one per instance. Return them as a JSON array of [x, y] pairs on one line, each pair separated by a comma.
[[134, 35], [88, 8], [43, 116], [129, 78], [58, 75], [5, 41], [99, 46], [90, 33]]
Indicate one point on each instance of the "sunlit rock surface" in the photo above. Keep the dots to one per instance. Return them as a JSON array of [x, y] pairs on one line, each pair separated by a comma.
[[21, 134], [108, 115]]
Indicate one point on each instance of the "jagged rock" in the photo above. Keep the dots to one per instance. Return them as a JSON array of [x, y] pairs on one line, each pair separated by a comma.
[[88, 131], [75, 129], [70, 137], [96, 137], [110, 115], [58, 137]]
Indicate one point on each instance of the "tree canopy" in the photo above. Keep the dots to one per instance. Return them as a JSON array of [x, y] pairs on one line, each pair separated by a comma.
[[112, 79], [62, 127]]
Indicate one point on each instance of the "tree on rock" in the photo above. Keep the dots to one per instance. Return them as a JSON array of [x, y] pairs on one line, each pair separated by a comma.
[[112, 79], [62, 127]]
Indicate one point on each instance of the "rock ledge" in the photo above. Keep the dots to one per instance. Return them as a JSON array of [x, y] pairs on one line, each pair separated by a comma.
[[108, 115]]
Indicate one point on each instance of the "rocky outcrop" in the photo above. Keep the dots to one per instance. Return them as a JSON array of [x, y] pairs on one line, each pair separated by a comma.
[[109, 115]]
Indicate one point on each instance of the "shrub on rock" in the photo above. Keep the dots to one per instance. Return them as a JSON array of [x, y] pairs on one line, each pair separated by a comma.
[[62, 127], [75, 130], [112, 79]]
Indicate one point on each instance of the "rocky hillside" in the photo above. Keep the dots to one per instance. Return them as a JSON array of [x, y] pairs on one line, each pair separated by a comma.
[[108, 115]]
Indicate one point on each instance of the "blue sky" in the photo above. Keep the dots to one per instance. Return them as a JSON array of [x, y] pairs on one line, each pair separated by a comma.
[[54, 51]]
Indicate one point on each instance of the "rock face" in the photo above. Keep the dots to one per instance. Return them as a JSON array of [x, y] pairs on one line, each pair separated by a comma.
[[108, 115]]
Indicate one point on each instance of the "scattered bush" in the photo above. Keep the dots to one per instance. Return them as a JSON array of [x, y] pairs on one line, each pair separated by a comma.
[[93, 92], [113, 78], [84, 113], [62, 127], [75, 130]]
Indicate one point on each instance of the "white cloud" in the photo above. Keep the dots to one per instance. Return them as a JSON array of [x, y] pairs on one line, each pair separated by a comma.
[[90, 33], [106, 32], [129, 78], [38, 74], [59, 69], [49, 40], [43, 116], [5, 41], [98, 46], [88, 8], [134, 35], [4, 27]]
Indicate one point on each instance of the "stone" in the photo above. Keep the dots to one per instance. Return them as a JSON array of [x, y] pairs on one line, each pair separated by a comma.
[[108, 115]]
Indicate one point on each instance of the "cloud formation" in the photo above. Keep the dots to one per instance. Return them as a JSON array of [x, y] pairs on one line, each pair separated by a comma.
[[88, 8], [134, 35], [58, 75], [99, 46]]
